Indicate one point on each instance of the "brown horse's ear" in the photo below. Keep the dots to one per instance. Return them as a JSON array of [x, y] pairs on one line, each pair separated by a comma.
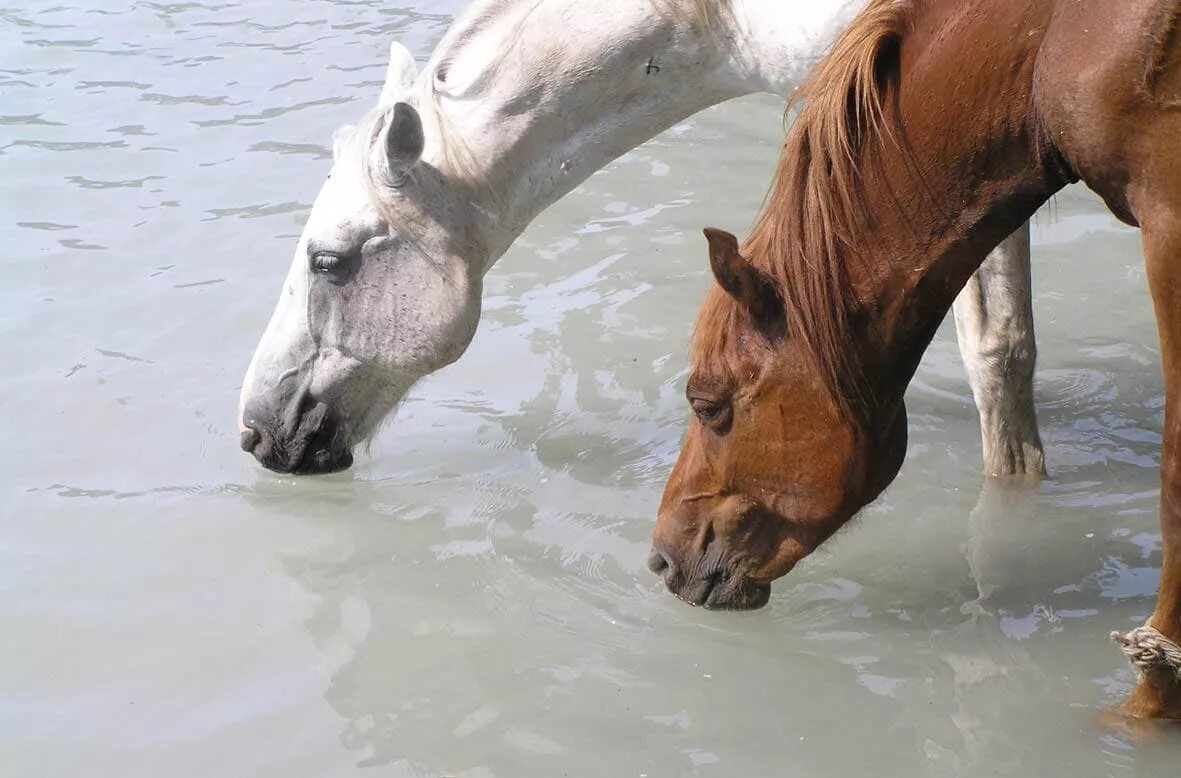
[[742, 280]]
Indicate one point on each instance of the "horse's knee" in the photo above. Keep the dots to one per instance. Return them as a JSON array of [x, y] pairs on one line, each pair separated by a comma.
[[994, 325], [1011, 353], [1002, 385]]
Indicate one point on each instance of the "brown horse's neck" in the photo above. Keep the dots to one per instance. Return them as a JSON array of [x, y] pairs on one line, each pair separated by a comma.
[[968, 165]]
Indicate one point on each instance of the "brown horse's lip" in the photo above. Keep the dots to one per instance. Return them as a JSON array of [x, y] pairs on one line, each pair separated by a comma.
[[701, 595], [718, 593], [754, 596]]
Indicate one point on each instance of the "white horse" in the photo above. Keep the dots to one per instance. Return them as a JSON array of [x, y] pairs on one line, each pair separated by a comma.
[[521, 101]]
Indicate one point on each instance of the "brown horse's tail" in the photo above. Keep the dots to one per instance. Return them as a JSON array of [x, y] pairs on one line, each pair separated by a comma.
[[805, 235]]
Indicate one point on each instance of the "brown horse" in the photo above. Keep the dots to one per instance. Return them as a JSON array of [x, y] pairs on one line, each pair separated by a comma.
[[932, 130]]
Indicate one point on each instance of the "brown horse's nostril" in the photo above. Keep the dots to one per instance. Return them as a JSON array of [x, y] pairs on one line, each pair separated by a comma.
[[250, 438], [658, 561]]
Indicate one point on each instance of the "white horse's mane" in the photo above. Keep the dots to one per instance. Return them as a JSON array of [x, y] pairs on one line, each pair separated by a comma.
[[457, 162], [706, 14]]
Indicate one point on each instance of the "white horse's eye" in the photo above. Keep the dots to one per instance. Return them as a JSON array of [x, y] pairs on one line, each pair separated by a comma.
[[323, 262]]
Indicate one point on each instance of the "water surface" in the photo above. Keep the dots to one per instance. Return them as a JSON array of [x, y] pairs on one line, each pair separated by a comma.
[[471, 599]]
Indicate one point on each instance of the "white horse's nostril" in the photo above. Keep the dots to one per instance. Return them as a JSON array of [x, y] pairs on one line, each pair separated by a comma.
[[250, 438]]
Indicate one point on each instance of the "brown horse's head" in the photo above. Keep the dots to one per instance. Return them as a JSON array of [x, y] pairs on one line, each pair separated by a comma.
[[772, 464], [798, 421], [802, 352]]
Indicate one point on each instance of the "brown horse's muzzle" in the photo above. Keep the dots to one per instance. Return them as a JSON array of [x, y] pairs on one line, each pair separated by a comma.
[[708, 584], [714, 552]]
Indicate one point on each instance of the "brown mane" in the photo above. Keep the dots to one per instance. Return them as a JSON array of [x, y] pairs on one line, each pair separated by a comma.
[[805, 236]]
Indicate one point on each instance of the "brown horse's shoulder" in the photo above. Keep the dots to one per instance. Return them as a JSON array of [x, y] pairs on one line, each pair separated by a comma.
[[1105, 70]]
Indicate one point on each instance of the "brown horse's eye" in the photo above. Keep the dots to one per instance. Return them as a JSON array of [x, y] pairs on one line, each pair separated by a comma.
[[710, 413]]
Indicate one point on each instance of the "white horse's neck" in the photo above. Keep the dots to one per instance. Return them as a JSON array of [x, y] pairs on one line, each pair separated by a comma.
[[529, 97], [778, 41]]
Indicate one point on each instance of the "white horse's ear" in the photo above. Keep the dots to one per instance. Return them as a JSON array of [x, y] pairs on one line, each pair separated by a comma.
[[339, 138], [399, 76], [404, 140]]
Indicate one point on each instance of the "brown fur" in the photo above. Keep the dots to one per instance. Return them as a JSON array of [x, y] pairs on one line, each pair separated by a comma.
[[805, 237]]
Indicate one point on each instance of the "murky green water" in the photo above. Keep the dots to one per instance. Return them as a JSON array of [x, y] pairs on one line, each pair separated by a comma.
[[471, 600]]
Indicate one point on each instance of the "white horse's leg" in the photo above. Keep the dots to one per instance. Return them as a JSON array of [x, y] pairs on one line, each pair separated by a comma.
[[994, 325]]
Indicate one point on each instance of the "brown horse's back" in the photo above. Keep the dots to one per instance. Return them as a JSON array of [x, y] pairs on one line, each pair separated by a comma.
[[1108, 88]]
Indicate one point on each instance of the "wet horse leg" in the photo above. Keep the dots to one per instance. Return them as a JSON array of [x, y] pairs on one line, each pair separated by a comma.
[[994, 327], [1158, 694]]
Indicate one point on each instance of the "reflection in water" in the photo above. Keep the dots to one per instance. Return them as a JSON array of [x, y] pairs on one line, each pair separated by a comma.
[[532, 635], [472, 599]]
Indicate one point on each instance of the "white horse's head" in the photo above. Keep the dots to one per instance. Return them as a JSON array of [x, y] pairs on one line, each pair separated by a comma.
[[380, 293], [520, 102]]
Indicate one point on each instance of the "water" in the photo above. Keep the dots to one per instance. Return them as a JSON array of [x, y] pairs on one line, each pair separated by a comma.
[[471, 600]]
